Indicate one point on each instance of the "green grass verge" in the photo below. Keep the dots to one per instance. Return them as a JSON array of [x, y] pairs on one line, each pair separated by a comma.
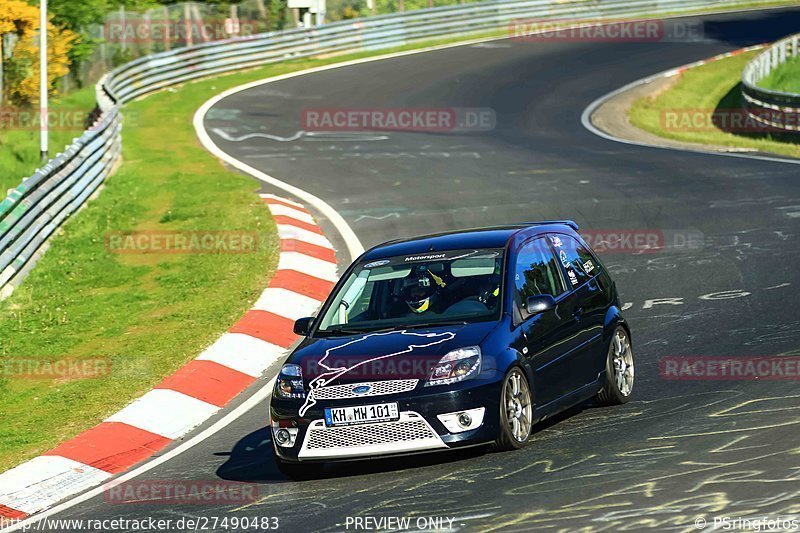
[[147, 313], [714, 86], [785, 78], [19, 139]]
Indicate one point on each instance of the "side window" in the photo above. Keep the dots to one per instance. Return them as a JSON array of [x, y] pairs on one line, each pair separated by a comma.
[[536, 272], [361, 305], [578, 263]]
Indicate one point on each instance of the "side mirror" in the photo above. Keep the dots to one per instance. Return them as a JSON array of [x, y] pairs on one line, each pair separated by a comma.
[[539, 304], [302, 326]]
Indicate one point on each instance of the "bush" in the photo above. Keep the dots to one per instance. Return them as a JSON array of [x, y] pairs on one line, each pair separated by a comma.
[[22, 68]]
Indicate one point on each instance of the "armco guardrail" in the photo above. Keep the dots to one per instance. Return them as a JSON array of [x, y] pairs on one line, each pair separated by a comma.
[[774, 109], [37, 207]]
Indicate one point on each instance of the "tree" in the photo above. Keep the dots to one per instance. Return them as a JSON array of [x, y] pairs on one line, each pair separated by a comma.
[[22, 68], [77, 16]]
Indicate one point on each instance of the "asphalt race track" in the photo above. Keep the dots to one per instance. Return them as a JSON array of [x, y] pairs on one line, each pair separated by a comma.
[[681, 449]]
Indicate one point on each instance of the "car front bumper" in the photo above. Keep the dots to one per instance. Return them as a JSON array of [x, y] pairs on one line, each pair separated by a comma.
[[419, 428]]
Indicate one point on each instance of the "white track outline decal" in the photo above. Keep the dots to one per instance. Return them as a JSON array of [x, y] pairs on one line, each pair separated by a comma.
[[333, 373]]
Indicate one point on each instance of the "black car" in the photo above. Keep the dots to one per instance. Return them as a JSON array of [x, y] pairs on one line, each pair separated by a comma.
[[450, 340]]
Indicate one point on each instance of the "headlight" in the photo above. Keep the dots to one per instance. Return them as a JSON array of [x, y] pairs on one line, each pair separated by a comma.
[[455, 366], [290, 382]]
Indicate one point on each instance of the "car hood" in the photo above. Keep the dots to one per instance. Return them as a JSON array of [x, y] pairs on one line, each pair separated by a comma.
[[400, 354]]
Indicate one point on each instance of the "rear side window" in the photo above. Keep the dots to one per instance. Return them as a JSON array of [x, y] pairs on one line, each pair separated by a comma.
[[578, 263], [536, 272]]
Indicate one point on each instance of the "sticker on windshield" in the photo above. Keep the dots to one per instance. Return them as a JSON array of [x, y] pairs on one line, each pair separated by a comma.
[[377, 263], [556, 241], [451, 255], [428, 257], [588, 266]]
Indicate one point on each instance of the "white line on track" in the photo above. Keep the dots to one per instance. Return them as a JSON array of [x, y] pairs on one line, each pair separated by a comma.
[[586, 120], [260, 396]]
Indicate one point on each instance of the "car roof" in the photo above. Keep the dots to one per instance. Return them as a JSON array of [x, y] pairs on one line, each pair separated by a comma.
[[489, 237]]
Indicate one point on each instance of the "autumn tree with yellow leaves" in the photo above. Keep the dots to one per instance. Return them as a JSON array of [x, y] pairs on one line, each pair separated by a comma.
[[21, 70]]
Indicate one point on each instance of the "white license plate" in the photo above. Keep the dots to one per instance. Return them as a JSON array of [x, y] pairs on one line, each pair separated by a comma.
[[362, 414]]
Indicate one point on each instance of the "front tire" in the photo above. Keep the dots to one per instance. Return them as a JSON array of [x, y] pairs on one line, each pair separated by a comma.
[[516, 412], [619, 370]]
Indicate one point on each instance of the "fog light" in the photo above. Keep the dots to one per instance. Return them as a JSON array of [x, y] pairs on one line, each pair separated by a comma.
[[462, 420], [282, 437], [285, 437]]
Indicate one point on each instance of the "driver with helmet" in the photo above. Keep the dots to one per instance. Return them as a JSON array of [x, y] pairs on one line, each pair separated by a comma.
[[421, 291]]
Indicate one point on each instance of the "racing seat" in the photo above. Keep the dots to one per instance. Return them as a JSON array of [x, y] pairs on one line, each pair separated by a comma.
[[477, 303]]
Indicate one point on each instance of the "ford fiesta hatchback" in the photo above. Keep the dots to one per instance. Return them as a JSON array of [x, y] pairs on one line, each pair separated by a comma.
[[451, 340]]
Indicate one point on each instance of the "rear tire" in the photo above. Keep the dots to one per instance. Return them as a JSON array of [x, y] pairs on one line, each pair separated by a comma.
[[619, 370], [516, 412]]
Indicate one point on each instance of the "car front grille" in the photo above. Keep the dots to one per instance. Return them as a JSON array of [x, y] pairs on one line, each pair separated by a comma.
[[377, 388], [408, 434], [369, 434]]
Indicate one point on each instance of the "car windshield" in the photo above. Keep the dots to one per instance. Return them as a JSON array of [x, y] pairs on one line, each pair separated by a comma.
[[432, 288]]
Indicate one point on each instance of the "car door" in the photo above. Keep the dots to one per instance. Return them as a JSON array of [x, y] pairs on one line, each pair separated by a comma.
[[587, 305], [546, 338]]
